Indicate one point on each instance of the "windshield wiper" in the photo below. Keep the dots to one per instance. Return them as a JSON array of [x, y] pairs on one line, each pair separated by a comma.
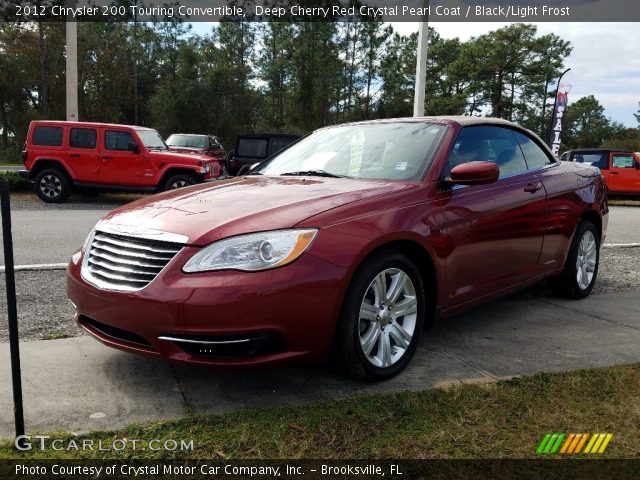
[[313, 173]]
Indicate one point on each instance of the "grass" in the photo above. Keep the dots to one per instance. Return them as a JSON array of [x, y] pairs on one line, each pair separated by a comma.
[[501, 420]]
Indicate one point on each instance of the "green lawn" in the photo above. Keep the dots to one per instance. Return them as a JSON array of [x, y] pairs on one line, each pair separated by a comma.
[[506, 419]]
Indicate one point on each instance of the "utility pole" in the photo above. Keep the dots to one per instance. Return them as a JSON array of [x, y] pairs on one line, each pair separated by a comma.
[[421, 62], [72, 66], [135, 63]]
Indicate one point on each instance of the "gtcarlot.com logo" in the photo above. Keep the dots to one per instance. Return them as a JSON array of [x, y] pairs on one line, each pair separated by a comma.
[[45, 442], [574, 443]]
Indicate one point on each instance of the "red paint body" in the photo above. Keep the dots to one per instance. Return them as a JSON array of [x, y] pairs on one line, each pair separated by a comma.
[[473, 244], [146, 169]]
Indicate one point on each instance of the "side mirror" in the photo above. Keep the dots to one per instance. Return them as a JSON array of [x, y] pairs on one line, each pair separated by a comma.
[[475, 173], [133, 147]]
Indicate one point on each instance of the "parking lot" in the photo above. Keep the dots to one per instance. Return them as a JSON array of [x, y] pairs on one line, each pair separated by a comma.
[[72, 382]]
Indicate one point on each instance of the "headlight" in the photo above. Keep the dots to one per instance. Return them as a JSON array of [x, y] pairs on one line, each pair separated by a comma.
[[253, 252]]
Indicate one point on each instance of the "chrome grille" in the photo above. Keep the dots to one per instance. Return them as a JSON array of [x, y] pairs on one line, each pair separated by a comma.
[[117, 262]]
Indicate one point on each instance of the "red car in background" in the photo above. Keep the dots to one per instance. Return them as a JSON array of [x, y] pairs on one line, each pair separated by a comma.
[[345, 245], [60, 156], [201, 144]]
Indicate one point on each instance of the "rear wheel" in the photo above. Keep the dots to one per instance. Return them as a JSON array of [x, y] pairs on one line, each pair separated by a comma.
[[581, 268], [52, 185], [179, 180], [382, 318]]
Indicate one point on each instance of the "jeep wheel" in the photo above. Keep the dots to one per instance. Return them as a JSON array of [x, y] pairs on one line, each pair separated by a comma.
[[52, 186], [180, 180]]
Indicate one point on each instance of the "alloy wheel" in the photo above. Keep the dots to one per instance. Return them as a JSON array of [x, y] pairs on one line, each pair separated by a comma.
[[51, 186], [387, 318], [586, 260], [179, 184]]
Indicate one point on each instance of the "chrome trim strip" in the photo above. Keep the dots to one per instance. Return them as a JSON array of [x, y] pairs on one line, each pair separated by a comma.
[[134, 231], [203, 342]]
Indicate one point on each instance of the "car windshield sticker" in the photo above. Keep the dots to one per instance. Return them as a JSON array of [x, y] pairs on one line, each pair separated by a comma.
[[357, 149]]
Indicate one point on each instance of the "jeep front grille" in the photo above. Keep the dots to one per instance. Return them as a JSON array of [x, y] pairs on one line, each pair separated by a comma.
[[128, 264]]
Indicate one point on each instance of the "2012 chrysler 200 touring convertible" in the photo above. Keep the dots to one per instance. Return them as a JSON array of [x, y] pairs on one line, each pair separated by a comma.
[[344, 246]]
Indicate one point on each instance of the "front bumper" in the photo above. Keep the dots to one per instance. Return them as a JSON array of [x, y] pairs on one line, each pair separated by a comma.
[[223, 318]]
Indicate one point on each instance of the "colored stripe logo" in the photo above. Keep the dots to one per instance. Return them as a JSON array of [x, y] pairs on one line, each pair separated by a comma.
[[574, 443]]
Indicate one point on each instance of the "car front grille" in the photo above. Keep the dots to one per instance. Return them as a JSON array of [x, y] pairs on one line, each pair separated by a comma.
[[128, 264]]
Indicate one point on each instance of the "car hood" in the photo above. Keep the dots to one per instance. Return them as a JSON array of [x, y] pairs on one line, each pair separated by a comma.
[[186, 149], [171, 156], [206, 213]]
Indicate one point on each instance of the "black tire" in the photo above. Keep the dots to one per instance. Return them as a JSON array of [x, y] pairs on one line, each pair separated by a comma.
[[179, 180], [52, 185], [567, 284], [348, 354]]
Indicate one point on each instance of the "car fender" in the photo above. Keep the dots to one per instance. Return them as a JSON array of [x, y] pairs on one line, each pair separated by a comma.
[[40, 160]]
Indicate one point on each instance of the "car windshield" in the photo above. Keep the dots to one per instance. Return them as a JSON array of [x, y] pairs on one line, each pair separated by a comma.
[[189, 141], [389, 151], [151, 139]]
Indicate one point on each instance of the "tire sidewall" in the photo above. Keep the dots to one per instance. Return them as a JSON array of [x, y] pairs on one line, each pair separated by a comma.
[[351, 309], [570, 274], [176, 178], [64, 184]]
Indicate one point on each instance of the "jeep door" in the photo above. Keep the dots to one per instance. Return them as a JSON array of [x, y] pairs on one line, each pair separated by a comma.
[[121, 163], [83, 154], [624, 176]]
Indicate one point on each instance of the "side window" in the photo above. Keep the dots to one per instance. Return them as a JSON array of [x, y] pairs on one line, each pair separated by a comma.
[[83, 138], [252, 147], [484, 143], [534, 155], [595, 159], [117, 140], [623, 161], [47, 136]]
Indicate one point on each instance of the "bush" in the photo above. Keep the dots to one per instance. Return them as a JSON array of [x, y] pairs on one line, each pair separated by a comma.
[[16, 182]]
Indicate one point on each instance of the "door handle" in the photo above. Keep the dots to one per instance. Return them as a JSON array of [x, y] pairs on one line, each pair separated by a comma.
[[533, 187], [106, 158], [74, 155], [614, 173]]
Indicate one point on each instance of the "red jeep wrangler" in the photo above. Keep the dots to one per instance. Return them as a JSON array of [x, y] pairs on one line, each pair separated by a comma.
[[62, 155]]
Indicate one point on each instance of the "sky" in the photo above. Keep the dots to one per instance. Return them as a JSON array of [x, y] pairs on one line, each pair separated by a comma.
[[604, 61]]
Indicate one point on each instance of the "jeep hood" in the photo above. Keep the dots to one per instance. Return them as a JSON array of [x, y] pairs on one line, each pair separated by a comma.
[[206, 213], [175, 157]]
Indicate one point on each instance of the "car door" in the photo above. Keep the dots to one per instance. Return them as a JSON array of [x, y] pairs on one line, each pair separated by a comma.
[[624, 176], [83, 155], [120, 165], [495, 230]]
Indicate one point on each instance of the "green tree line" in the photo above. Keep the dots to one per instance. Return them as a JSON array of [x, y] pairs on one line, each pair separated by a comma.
[[245, 77]]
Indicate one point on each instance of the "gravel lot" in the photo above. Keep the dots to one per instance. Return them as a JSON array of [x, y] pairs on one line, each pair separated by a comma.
[[45, 312]]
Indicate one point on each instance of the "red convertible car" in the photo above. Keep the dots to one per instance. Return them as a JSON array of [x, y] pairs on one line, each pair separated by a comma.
[[344, 246]]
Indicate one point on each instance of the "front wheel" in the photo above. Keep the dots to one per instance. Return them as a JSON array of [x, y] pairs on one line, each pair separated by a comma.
[[581, 268], [382, 318], [180, 180]]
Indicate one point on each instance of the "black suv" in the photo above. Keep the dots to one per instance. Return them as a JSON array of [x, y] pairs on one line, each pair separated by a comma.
[[256, 147]]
